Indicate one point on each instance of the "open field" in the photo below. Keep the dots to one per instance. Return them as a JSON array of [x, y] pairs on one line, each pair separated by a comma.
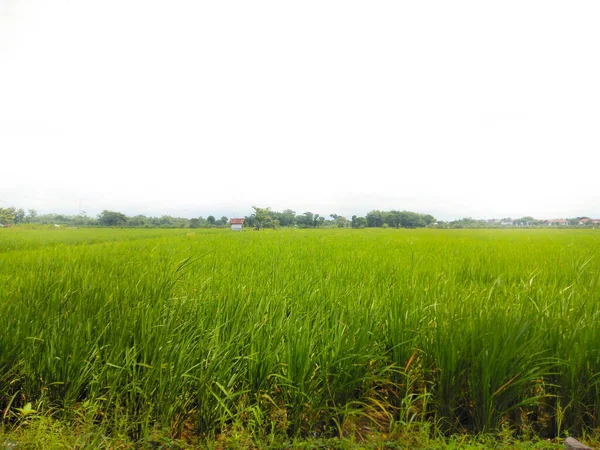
[[301, 333]]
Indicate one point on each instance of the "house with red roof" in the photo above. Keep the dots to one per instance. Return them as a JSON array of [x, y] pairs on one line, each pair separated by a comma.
[[588, 221], [236, 224]]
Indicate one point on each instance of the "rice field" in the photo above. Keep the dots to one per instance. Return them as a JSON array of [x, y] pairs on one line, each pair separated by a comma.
[[302, 333]]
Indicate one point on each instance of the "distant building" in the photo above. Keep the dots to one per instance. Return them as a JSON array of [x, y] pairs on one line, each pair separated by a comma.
[[236, 224], [588, 221]]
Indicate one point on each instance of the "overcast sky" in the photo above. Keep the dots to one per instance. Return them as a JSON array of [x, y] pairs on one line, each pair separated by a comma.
[[461, 108]]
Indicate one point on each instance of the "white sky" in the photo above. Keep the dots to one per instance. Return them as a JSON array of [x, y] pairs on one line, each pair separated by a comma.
[[462, 108]]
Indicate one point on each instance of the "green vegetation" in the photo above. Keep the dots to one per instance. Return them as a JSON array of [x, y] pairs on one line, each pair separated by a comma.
[[271, 338], [267, 218]]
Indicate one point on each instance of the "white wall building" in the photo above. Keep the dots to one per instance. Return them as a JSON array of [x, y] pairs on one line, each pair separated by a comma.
[[236, 224]]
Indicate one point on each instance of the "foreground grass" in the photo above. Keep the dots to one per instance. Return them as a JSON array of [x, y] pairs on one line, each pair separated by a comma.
[[266, 338], [48, 434]]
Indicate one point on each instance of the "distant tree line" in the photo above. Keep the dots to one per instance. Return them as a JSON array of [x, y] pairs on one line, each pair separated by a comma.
[[14, 216], [522, 222], [260, 218], [266, 218]]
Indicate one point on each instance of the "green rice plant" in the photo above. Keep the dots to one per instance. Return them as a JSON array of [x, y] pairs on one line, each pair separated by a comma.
[[300, 333]]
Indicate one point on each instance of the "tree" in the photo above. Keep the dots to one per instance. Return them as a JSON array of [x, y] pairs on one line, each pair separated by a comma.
[[525, 221], [194, 223], [429, 219], [203, 223], [7, 215], [468, 222], [410, 219], [19, 216], [166, 221], [31, 216], [211, 220], [392, 218], [139, 221], [316, 220], [82, 219], [262, 217], [359, 222], [288, 218], [306, 220], [249, 221], [224, 220], [374, 219], [111, 218], [341, 221]]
